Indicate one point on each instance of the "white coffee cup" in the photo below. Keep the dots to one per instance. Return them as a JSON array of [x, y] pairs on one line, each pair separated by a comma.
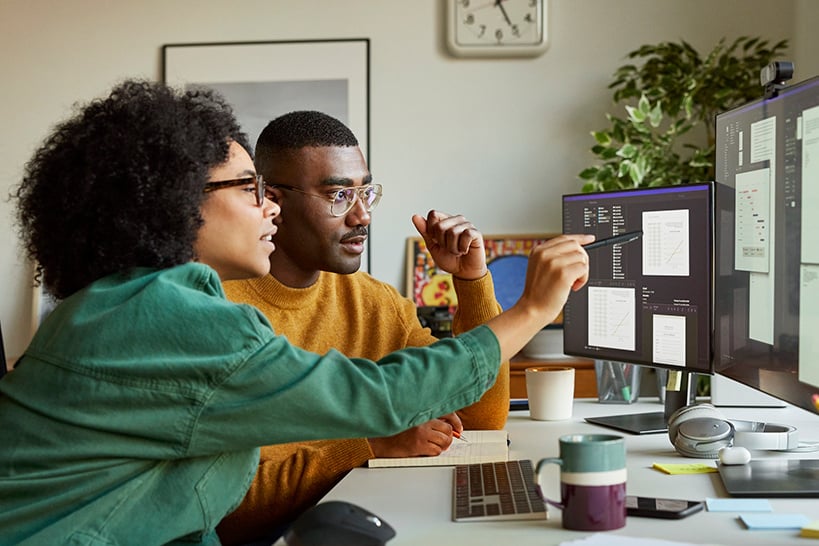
[[550, 391]]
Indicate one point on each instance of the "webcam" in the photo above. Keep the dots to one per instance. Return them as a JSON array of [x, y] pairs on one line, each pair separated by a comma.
[[774, 75]]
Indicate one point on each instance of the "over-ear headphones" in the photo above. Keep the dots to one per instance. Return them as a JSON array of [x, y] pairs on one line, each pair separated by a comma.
[[700, 431]]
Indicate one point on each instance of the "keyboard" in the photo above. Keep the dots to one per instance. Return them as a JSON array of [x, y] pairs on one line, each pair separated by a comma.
[[496, 491]]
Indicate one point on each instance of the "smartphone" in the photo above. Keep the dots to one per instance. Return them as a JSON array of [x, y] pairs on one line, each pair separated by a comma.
[[649, 507]]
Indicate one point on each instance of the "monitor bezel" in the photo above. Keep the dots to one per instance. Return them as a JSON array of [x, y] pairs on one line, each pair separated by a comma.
[[708, 369]]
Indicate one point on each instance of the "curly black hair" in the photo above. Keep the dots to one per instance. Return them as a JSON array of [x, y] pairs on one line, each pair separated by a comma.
[[120, 184], [299, 129]]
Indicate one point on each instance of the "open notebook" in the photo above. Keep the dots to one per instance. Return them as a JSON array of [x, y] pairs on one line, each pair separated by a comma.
[[483, 446]]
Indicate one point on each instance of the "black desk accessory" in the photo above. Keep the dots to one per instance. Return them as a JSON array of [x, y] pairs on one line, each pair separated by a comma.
[[338, 523], [772, 478]]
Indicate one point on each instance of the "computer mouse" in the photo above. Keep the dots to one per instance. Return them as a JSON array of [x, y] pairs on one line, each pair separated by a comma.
[[734, 455], [338, 523]]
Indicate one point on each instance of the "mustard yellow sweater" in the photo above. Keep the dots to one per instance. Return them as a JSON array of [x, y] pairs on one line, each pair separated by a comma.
[[362, 317]]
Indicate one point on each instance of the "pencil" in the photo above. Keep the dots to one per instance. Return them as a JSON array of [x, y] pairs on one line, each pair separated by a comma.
[[459, 436]]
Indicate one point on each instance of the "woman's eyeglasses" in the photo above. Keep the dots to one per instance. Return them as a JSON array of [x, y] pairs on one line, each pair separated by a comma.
[[257, 181], [343, 200]]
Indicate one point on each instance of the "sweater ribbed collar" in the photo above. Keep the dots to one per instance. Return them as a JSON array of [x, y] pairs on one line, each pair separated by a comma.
[[271, 289]]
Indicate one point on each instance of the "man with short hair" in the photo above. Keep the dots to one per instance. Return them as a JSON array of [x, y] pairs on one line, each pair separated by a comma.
[[317, 298]]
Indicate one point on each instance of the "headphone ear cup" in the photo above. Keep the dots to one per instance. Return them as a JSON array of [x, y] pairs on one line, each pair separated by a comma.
[[703, 437], [695, 435]]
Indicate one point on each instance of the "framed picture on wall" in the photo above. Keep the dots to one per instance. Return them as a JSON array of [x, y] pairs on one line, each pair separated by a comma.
[[263, 80], [506, 257]]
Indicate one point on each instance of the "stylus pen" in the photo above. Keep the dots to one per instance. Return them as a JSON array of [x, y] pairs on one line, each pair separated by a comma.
[[616, 240]]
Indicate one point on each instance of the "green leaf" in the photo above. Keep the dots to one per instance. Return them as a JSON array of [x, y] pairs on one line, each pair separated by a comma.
[[590, 187], [636, 174], [606, 173], [644, 105], [688, 103], [635, 114], [627, 151], [602, 138], [655, 117], [588, 173], [608, 153]]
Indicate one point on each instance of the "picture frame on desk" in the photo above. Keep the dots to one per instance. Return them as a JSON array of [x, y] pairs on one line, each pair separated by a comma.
[[265, 79], [506, 257]]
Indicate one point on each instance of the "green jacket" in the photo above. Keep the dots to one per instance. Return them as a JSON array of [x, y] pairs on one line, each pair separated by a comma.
[[135, 414]]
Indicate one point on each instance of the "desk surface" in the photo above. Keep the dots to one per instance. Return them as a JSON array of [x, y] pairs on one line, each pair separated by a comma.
[[417, 501]]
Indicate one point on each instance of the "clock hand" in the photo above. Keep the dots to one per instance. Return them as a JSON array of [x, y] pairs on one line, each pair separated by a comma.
[[489, 4], [499, 3]]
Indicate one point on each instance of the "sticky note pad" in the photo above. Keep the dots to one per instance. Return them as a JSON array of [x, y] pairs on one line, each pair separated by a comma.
[[811, 530], [738, 505], [774, 521], [690, 468]]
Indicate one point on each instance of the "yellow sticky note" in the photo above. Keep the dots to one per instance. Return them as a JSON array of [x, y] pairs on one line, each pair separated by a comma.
[[690, 468], [810, 530], [674, 380]]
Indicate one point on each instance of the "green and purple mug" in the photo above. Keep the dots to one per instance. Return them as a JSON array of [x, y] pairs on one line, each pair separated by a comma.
[[592, 481]]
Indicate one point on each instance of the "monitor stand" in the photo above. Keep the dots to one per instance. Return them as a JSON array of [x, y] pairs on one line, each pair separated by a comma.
[[679, 393]]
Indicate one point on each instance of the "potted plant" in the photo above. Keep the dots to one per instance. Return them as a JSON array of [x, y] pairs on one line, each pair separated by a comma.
[[670, 100], [670, 95]]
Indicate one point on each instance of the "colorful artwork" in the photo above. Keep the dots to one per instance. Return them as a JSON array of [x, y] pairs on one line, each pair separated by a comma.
[[438, 290], [427, 286]]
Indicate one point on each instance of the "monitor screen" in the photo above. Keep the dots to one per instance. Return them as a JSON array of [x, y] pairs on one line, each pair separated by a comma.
[[766, 282], [647, 301]]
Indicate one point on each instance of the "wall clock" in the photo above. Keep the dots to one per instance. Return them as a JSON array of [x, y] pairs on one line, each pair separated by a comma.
[[496, 28]]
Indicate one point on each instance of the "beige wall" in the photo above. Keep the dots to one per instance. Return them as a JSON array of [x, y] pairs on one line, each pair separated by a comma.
[[497, 140], [806, 42]]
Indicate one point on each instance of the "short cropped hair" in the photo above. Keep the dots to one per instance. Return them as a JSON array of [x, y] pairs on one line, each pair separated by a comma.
[[120, 184], [299, 129]]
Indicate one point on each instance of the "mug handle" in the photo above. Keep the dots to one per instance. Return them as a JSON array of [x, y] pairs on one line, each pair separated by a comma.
[[540, 464]]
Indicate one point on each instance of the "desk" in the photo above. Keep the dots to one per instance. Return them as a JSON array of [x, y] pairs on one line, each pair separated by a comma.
[[417, 501]]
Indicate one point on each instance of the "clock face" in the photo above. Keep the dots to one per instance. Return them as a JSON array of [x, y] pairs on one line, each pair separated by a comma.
[[497, 27]]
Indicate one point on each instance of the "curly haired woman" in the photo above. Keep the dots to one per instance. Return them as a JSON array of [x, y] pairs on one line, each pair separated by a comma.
[[135, 414]]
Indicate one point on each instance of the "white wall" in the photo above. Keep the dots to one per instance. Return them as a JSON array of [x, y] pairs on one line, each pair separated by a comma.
[[806, 61], [497, 140]]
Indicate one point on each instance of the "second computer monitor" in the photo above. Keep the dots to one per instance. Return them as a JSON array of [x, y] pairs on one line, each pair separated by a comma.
[[647, 301]]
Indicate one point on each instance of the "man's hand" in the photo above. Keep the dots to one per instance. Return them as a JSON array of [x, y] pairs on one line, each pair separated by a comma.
[[454, 243], [428, 439]]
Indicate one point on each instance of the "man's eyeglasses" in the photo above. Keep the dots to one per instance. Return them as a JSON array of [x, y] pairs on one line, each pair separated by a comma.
[[343, 200], [257, 181]]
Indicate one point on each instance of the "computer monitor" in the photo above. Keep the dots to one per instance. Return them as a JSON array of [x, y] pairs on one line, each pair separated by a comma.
[[766, 276], [766, 283], [647, 301]]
